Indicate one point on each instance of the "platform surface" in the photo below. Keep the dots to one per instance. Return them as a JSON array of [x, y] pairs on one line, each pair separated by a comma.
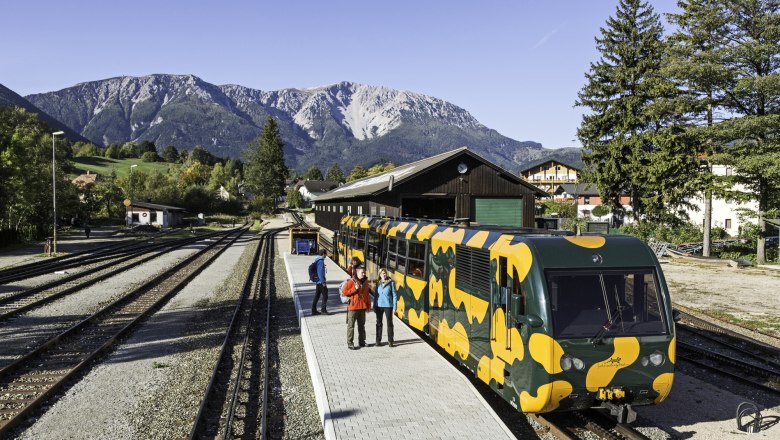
[[409, 391]]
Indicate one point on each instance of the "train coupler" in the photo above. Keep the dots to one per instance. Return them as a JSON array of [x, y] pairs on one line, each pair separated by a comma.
[[623, 412]]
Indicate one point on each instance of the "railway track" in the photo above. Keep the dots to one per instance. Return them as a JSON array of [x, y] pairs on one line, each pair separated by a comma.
[[567, 426], [710, 324], [715, 348], [77, 259], [234, 404], [29, 381], [13, 304]]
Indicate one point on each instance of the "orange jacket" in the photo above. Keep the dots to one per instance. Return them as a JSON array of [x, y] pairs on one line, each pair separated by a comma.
[[360, 296]]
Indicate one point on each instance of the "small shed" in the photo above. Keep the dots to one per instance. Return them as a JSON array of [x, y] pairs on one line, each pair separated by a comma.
[[142, 213]]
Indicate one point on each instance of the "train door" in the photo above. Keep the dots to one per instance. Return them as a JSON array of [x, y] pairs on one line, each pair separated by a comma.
[[501, 306]]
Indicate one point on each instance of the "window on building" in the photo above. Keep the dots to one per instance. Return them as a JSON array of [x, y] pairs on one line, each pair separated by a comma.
[[587, 200], [360, 209], [373, 209], [558, 168], [341, 209], [728, 171], [153, 217], [382, 211], [134, 217], [727, 223]]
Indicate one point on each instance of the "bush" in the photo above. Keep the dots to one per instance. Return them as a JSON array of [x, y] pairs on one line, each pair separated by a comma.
[[685, 233], [600, 211], [150, 156]]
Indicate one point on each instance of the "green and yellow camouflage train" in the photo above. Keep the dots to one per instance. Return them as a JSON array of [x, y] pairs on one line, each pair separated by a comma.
[[552, 322]]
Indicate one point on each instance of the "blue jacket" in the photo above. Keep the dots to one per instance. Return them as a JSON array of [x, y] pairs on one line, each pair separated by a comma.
[[386, 295], [320, 260]]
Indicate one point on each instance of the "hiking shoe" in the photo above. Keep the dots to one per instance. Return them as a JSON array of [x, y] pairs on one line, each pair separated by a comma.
[[314, 312]]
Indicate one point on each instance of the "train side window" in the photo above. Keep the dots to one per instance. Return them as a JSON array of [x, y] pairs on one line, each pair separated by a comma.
[[416, 260], [519, 294], [373, 246], [401, 255], [391, 256], [360, 238], [503, 282]]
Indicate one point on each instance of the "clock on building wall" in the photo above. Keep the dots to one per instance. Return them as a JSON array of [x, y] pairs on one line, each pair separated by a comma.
[[462, 168]]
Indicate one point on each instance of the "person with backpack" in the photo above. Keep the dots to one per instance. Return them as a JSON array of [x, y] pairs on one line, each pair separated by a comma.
[[384, 306], [317, 276], [359, 301]]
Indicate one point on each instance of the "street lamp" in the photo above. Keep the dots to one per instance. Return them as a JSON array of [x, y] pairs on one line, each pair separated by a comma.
[[131, 193], [54, 186]]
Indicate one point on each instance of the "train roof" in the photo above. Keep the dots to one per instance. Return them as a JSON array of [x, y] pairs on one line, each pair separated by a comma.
[[553, 248]]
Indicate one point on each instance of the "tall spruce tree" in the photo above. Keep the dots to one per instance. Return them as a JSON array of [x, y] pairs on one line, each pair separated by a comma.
[[335, 174], [752, 95], [264, 169], [631, 136], [695, 64]]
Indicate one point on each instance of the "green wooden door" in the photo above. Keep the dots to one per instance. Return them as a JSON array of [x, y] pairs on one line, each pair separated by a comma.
[[502, 212]]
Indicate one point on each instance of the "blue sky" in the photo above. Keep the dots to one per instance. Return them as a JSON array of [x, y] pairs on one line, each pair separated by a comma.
[[516, 65]]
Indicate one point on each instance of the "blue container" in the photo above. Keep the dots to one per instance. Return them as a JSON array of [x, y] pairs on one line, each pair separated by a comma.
[[304, 246]]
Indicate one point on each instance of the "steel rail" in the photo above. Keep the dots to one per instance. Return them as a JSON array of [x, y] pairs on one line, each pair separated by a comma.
[[269, 276], [758, 355], [240, 302], [114, 320], [26, 294], [556, 429], [92, 257], [688, 313], [768, 376]]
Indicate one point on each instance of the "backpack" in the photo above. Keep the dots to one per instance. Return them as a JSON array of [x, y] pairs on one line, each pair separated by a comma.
[[342, 286], [313, 272]]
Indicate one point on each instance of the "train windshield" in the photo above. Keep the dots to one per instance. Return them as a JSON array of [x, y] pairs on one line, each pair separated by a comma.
[[627, 302]]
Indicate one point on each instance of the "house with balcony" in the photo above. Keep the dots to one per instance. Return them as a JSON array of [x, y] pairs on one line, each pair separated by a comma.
[[550, 173]]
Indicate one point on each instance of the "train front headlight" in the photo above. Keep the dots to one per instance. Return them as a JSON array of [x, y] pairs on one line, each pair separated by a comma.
[[578, 364], [657, 358], [566, 362], [645, 361]]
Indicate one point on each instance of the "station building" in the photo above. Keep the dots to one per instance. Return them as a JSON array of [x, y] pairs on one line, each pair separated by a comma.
[[457, 184], [142, 213]]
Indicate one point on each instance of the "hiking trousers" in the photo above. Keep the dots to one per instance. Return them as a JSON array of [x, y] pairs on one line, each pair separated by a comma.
[[359, 317]]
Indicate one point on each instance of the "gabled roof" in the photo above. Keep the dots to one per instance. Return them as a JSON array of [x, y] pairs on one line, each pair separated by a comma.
[[155, 206], [544, 161], [579, 189], [372, 185], [320, 186], [85, 179]]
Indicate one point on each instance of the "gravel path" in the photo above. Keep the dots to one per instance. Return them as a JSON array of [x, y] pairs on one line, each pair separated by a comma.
[[748, 294], [132, 393]]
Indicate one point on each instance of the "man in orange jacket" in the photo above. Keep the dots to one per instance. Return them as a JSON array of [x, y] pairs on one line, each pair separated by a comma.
[[359, 301]]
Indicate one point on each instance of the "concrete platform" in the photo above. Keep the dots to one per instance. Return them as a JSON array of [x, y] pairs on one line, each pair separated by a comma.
[[409, 391]]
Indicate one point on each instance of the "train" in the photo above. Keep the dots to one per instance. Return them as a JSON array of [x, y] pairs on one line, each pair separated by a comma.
[[551, 321]]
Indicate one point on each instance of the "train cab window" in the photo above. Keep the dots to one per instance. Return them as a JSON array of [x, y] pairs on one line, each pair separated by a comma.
[[416, 260], [625, 301]]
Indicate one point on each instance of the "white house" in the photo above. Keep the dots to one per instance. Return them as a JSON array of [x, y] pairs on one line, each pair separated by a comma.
[[313, 188], [140, 213], [587, 197], [724, 212]]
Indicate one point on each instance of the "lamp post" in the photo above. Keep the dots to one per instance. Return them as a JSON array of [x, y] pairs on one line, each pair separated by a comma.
[[54, 186], [131, 193]]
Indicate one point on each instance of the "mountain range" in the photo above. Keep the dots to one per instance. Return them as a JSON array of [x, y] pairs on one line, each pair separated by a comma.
[[9, 98], [345, 123]]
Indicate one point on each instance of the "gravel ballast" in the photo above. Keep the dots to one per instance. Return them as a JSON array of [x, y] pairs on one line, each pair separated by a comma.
[[130, 393]]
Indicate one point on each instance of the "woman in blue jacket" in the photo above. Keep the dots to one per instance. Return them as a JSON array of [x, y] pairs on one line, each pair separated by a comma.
[[384, 306]]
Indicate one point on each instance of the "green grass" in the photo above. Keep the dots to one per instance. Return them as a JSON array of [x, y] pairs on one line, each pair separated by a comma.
[[104, 165], [766, 324]]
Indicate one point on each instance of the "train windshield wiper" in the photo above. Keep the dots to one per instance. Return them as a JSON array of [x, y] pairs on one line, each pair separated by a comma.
[[618, 311]]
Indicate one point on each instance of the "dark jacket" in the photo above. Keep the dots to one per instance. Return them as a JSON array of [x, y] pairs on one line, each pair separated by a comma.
[[320, 260]]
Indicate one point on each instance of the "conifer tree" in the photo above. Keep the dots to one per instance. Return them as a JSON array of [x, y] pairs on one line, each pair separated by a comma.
[[694, 63], [752, 95], [265, 170], [633, 144], [335, 174], [313, 173]]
